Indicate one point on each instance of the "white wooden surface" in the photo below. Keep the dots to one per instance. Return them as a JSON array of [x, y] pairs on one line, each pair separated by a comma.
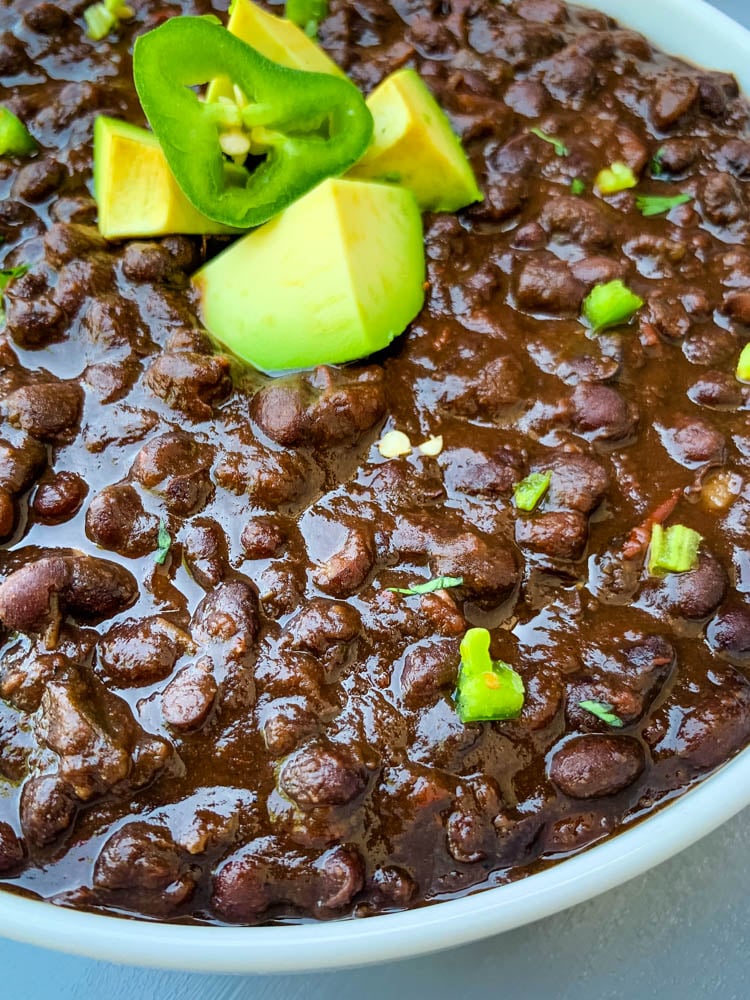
[[681, 931]]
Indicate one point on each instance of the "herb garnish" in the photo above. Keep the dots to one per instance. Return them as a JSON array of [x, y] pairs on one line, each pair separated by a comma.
[[674, 550], [531, 490], [657, 167], [7, 275], [742, 370], [609, 305], [15, 138], [439, 583], [307, 14], [102, 18], [487, 690], [602, 711], [164, 542], [654, 204], [615, 178], [560, 148], [577, 186]]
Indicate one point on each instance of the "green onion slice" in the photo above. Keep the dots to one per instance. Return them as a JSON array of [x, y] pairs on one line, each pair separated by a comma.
[[657, 167], [439, 583], [7, 275], [617, 177], [674, 550], [103, 18], [487, 690], [577, 186], [164, 543], [560, 148], [602, 711], [15, 139], [743, 365], [530, 491], [610, 305], [649, 204]]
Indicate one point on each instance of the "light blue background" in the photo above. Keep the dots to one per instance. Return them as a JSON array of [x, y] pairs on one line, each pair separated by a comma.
[[681, 931]]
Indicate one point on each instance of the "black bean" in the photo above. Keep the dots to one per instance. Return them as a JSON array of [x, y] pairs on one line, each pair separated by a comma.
[[48, 809], [587, 767], [116, 520], [317, 775], [189, 698], [50, 411], [60, 498]]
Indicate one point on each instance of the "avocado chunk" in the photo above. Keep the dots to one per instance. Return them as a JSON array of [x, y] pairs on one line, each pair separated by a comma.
[[415, 146], [335, 277], [277, 39], [135, 191]]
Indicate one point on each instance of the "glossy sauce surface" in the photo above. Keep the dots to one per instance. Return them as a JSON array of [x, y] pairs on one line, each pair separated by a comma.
[[257, 729]]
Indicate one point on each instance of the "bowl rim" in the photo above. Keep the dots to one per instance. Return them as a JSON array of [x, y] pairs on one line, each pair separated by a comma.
[[704, 35], [341, 944]]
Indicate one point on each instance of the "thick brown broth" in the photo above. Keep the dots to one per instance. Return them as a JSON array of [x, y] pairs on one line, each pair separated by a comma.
[[257, 729]]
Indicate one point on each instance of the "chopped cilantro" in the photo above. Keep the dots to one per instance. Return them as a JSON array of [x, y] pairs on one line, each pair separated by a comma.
[[602, 711], [657, 167], [650, 204], [164, 543], [560, 148], [439, 583], [7, 275]]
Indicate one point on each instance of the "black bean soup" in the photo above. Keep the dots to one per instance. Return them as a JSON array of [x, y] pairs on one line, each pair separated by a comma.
[[252, 727]]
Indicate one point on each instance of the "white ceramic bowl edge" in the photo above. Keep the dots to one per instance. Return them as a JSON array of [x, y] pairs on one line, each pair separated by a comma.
[[701, 34]]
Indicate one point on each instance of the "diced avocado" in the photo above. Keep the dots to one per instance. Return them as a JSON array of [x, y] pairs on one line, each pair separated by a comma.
[[277, 39], [135, 191], [414, 145], [335, 277]]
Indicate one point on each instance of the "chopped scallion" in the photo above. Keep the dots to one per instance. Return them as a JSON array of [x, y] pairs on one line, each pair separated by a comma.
[[617, 177], [7, 275], [164, 543], [560, 148], [577, 186], [103, 18], [307, 14], [487, 690], [530, 491], [657, 167], [602, 711], [439, 583], [15, 139], [649, 204], [743, 365], [609, 305], [674, 550]]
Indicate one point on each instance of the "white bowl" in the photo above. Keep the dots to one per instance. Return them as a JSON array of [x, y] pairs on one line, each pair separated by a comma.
[[689, 28]]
